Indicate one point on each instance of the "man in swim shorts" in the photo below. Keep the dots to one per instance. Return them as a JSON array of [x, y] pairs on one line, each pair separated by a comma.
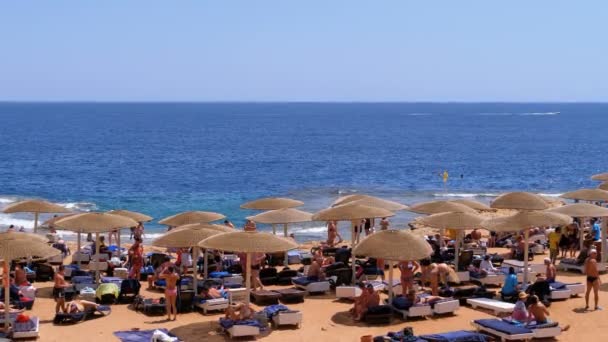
[[593, 279]]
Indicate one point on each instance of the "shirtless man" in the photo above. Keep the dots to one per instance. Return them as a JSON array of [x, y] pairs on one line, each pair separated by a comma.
[[538, 312], [408, 270], [551, 271], [210, 293], [314, 271], [384, 223], [593, 279], [368, 298], [436, 273], [20, 276], [249, 226], [332, 234], [171, 277], [239, 312], [59, 289]]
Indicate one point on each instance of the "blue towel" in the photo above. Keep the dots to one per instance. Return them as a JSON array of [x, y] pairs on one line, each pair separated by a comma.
[[455, 336], [502, 326], [139, 335], [303, 281], [82, 280], [228, 323], [557, 285], [272, 310], [222, 274], [402, 303]]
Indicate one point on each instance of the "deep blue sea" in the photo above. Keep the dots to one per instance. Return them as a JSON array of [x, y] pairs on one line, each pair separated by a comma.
[[163, 158]]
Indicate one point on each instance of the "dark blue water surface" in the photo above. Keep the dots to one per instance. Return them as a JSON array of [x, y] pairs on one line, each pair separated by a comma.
[[162, 158]]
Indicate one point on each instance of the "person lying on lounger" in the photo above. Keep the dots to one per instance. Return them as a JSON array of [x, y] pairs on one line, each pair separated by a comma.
[[239, 312], [78, 306], [210, 293]]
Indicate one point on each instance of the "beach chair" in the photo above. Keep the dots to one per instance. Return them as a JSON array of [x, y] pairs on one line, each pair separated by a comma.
[[44, 272], [107, 293], [291, 295], [348, 292], [492, 279], [576, 288], [311, 286], [129, 289], [80, 282], [497, 306], [265, 297], [207, 305], [150, 306], [72, 318], [268, 276], [445, 306], [459, 335], [26, 330], [241, 328], [142, 335], [508, 330], [464, 292], [84, 258], [237, 295], [284, 276], [400, 306], [280, 315], [559, 291]]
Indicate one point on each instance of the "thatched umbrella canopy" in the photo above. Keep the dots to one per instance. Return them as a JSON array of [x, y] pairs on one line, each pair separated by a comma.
[[473, 204], [188, 217], [436, 207], [591, 195], [36, 207], [519, 201], [600, 177], [139, 217], [272, 203]]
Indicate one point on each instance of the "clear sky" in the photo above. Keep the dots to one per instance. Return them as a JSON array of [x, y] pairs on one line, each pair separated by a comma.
[[256, 50]]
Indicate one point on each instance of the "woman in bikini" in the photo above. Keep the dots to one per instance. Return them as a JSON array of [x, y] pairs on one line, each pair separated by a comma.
[[171, 277], [408, 269], [332, 234], [136, 255]]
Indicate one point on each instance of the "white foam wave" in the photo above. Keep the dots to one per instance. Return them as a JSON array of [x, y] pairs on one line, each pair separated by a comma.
[[550, 195], [519, 114], [466, 195], [311, 230], [420, 114], [7, 220], [7, 200], [79, 206], [538, 114]]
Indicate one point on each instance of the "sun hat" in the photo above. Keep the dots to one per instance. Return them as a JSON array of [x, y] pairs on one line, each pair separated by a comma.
[[522, 295]]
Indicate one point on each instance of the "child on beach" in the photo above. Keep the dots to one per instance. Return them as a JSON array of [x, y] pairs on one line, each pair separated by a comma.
[[171, 277]]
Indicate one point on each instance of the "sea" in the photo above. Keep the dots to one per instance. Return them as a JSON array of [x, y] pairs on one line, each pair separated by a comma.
[[165, 158]]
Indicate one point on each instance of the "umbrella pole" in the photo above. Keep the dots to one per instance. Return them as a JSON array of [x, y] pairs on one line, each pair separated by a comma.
[[78, 251], [35, 223], [390, 283], [526, 248], [352, 247], [286, 261], [457, 249], [195, 269], [441, 239], [274, 229], [5, 278], [118, 241], [205, 264], [97, 254], [604, 231], [248, 280]]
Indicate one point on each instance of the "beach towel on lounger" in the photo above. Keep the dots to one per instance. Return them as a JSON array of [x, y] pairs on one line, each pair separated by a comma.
[[71, 318], [273, 310], [503, 327], [229, 323], [139, 335], [455, 336]]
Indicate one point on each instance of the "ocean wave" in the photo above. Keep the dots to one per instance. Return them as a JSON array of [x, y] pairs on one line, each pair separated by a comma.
[[466, 195], [518, 114], [539, 114], [420, 114], [311, 230], [7, 200], [79, 206], [550, 195], [7, 220]]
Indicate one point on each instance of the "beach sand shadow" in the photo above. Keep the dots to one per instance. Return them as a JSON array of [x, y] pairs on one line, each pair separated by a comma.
[[203, 331], [45, 292], [344, 318], [603, 287]]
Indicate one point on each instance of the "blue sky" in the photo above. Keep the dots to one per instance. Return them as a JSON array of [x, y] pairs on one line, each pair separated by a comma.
[[470, 50]]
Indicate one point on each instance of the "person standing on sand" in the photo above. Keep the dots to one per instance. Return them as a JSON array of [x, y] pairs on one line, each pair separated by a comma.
[[384, 223], [593, 279], [59, 289], [136, 257], [554, 238], [551, 271], [408, 270], [332, 234], [171, 277]]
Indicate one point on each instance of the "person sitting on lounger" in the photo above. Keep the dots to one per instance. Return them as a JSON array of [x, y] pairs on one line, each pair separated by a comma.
[[520, 312], [20, 276], [210, 293], [239, 312], [486, 265], [551, 271], [511, 285], [369, 298], [408, 269], [539, 313], [315, 271], [360, 302], [540, 288]]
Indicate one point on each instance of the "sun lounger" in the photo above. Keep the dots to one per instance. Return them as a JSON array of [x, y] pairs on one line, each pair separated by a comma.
[[510, 331], [265, 297], [140, 335], [84, 258], [282, 315], [445, 306], [497, 306], [150, 306], [113, 280], [348, 292], [576, 288], [80, 282], [206, 305], [494, 279], [400, 306], [71, 318], [455, 336], [311, 286], [237, 295], [121, 272], [240, 328], [291, 295], [29, 329]]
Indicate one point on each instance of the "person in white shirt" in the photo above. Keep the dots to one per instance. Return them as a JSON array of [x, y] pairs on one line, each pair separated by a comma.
[[486, 265]]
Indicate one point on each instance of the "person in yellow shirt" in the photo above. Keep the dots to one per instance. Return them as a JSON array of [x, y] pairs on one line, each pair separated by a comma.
[[554, 238]]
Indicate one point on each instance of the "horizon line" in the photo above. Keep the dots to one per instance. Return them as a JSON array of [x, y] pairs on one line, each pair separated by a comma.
[[285, 102]]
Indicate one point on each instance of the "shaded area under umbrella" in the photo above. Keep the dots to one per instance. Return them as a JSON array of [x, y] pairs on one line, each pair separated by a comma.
[[36, 207]]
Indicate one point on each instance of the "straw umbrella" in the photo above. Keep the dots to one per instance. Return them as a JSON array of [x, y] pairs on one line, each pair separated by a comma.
[[283, 216], [583, 210], [600, 177], [190, 235], [188, 217], [519, 201], [139, 217], [351, 212], [603, 186], [394, 245], [524, 220], [16, 246], [272, 203], [589, 195], [436, 207], [473, 204], [36, 207], [248, 242], [95, 222], [452, 220]]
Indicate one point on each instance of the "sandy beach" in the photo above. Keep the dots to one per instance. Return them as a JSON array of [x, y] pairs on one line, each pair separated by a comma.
[[324, 319]]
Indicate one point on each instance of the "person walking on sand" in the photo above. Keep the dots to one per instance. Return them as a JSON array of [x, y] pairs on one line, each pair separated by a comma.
[[59, 287], [171, 277], [593, 279], [228, 224]]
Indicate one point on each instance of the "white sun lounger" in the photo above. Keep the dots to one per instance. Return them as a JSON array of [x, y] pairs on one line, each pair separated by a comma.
[[576, 288], [287, 318], [213, 305], [495, 279], [560, 294], [445, 307], [314, 287], [347, 291], [497, 306], [33, 333], [550, 332], [242, 330], [414, 311]]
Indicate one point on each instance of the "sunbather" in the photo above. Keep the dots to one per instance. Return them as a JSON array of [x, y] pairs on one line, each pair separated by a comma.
[[315, 272], [520, 312], [210, 293], [540, 288], [239, 312], [360, 302], [171, 277], [551, 271], [77, 306], [369, 298], [436, 274], [408, 269], [539, 313]]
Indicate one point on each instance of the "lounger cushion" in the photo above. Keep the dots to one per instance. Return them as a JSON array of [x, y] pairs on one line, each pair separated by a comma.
[[503, 327], [455, 336], [30, 325], [402, 303], [272, 310], [557, 285], [139, 335], [218, 274], [303, 281]]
